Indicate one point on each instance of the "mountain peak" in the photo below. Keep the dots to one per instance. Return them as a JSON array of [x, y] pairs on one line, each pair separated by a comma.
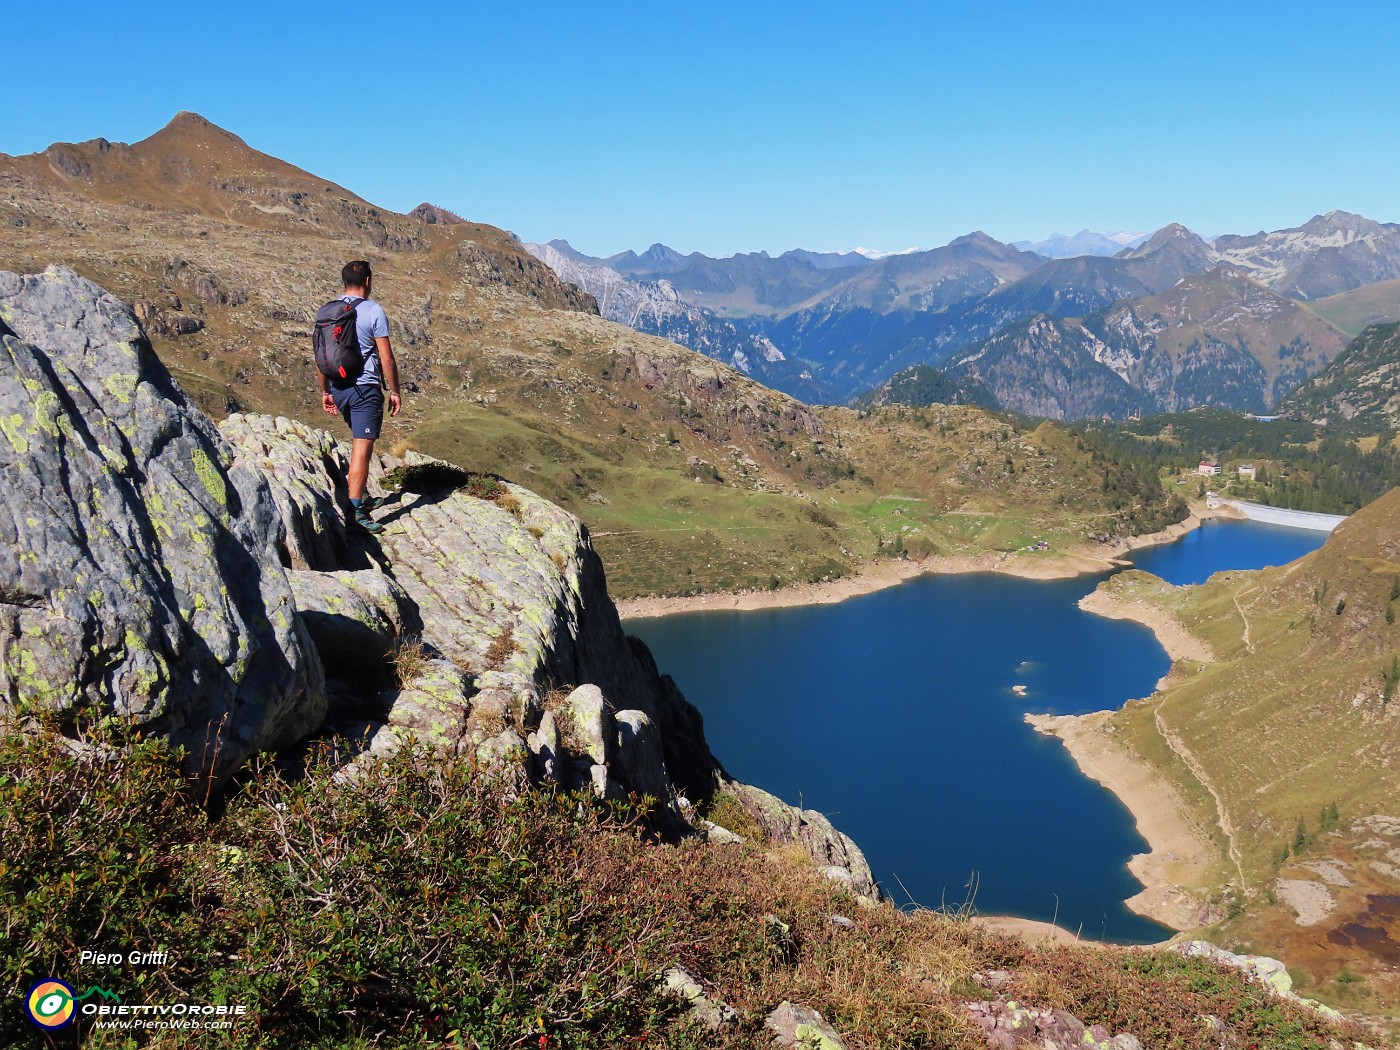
[[1336, 221], [977, 237], [188, 118], [435, 216], [661, 253], [1173, 235], [190, 128]]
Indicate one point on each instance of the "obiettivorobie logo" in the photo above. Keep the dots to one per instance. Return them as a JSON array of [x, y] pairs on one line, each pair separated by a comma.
[[52, 1004]]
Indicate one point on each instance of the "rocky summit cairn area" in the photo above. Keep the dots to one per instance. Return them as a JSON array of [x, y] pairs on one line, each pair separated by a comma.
[[388, 877]]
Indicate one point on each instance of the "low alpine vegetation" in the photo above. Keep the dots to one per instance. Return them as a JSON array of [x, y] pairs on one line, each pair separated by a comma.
[[422, 903]]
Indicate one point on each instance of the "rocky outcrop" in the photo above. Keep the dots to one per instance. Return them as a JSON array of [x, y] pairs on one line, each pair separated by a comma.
[[490, 604], [198, 583], [1008, 1026], [801, 1027], [1270, 973], [517, 655], [434, 216], [138, 567], [838, 857]]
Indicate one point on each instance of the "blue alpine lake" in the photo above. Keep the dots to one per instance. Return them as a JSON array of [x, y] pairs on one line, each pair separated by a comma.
[[894, 714], [1223, 544]]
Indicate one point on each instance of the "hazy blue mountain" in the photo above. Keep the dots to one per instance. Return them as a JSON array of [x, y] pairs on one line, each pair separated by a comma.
[[857, 321], [1085, 242], [1217, 338], [827, 260], [1048, 366], [752, 284], [655, 308]]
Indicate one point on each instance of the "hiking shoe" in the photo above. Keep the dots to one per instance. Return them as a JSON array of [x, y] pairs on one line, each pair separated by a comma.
[[369, 503], [365, 523]]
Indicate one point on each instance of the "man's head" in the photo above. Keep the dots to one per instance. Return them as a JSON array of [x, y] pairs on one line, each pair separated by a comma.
[[356, 276]]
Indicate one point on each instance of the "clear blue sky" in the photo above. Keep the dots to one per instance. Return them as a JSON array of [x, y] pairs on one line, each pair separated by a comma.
[[724, 127]]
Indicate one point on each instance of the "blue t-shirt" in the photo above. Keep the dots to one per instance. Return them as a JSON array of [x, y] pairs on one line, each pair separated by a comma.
[[370, 322]]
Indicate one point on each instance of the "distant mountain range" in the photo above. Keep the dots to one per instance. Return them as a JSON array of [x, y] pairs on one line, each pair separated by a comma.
[[1158, 322], [656, 308], [1085, 242]]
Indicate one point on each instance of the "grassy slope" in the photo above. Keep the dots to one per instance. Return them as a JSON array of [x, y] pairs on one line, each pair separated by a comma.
[[1355, 310], [507, 370], [1290, 719]]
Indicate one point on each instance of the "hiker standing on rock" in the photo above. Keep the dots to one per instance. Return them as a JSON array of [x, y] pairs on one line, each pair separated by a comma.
[[354, 365]]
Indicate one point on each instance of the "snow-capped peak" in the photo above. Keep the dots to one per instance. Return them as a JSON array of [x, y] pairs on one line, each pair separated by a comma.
[[876, 253]]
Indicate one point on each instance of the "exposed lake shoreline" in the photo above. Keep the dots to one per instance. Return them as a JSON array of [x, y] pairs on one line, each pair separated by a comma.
[[1179, 643], [1076, 561], [1179, 855]]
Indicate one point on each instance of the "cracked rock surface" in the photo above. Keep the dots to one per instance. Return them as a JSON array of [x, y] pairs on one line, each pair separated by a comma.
[[138, 567]]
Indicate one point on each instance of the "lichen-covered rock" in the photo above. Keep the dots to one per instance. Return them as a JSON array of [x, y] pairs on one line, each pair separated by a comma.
[[801, 1027], [837, 856], [543, 743], [354, 618], [1008, 1025], [592, 723], [504, 597], [1270, 973], [139, 574], [306, 471], [640, 761], [709, 1012]]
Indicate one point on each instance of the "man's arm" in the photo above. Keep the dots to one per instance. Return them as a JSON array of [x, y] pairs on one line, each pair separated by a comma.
[[389, 369], [327, 402]]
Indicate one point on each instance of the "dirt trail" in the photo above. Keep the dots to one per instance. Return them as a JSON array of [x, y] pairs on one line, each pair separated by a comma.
[[1248, 643], [1193, 764]]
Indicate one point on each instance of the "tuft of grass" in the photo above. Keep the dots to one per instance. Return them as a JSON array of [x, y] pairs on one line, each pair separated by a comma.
[[410, 661], [438, 477], [502, 647]]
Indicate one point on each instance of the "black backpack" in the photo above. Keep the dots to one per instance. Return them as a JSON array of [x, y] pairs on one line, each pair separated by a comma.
[[335, 343]]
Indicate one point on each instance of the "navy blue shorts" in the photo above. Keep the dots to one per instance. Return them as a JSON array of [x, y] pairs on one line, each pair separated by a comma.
[[362, 407]]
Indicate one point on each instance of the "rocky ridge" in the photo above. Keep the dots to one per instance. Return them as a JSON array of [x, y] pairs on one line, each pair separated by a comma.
[[1360, 387], [206, 584]]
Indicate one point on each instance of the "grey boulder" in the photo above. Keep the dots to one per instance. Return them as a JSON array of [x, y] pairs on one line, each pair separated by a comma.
[[139, 571]]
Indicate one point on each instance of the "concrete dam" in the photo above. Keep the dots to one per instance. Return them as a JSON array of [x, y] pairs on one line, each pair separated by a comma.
[[1297, 519]]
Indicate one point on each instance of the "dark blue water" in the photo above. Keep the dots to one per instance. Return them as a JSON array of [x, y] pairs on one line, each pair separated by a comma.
[[1220, 545], [893, 714]]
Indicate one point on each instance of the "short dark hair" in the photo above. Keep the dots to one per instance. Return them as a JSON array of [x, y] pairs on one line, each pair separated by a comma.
[[355, 274]]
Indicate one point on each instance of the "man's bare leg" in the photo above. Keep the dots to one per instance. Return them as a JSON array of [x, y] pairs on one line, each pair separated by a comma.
[[360, 451]]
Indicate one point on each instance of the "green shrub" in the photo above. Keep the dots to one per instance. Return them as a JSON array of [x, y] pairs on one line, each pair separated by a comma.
[[414, 904]]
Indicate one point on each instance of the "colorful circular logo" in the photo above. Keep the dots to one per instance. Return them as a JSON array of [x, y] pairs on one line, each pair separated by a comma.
[[51, 1004]]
